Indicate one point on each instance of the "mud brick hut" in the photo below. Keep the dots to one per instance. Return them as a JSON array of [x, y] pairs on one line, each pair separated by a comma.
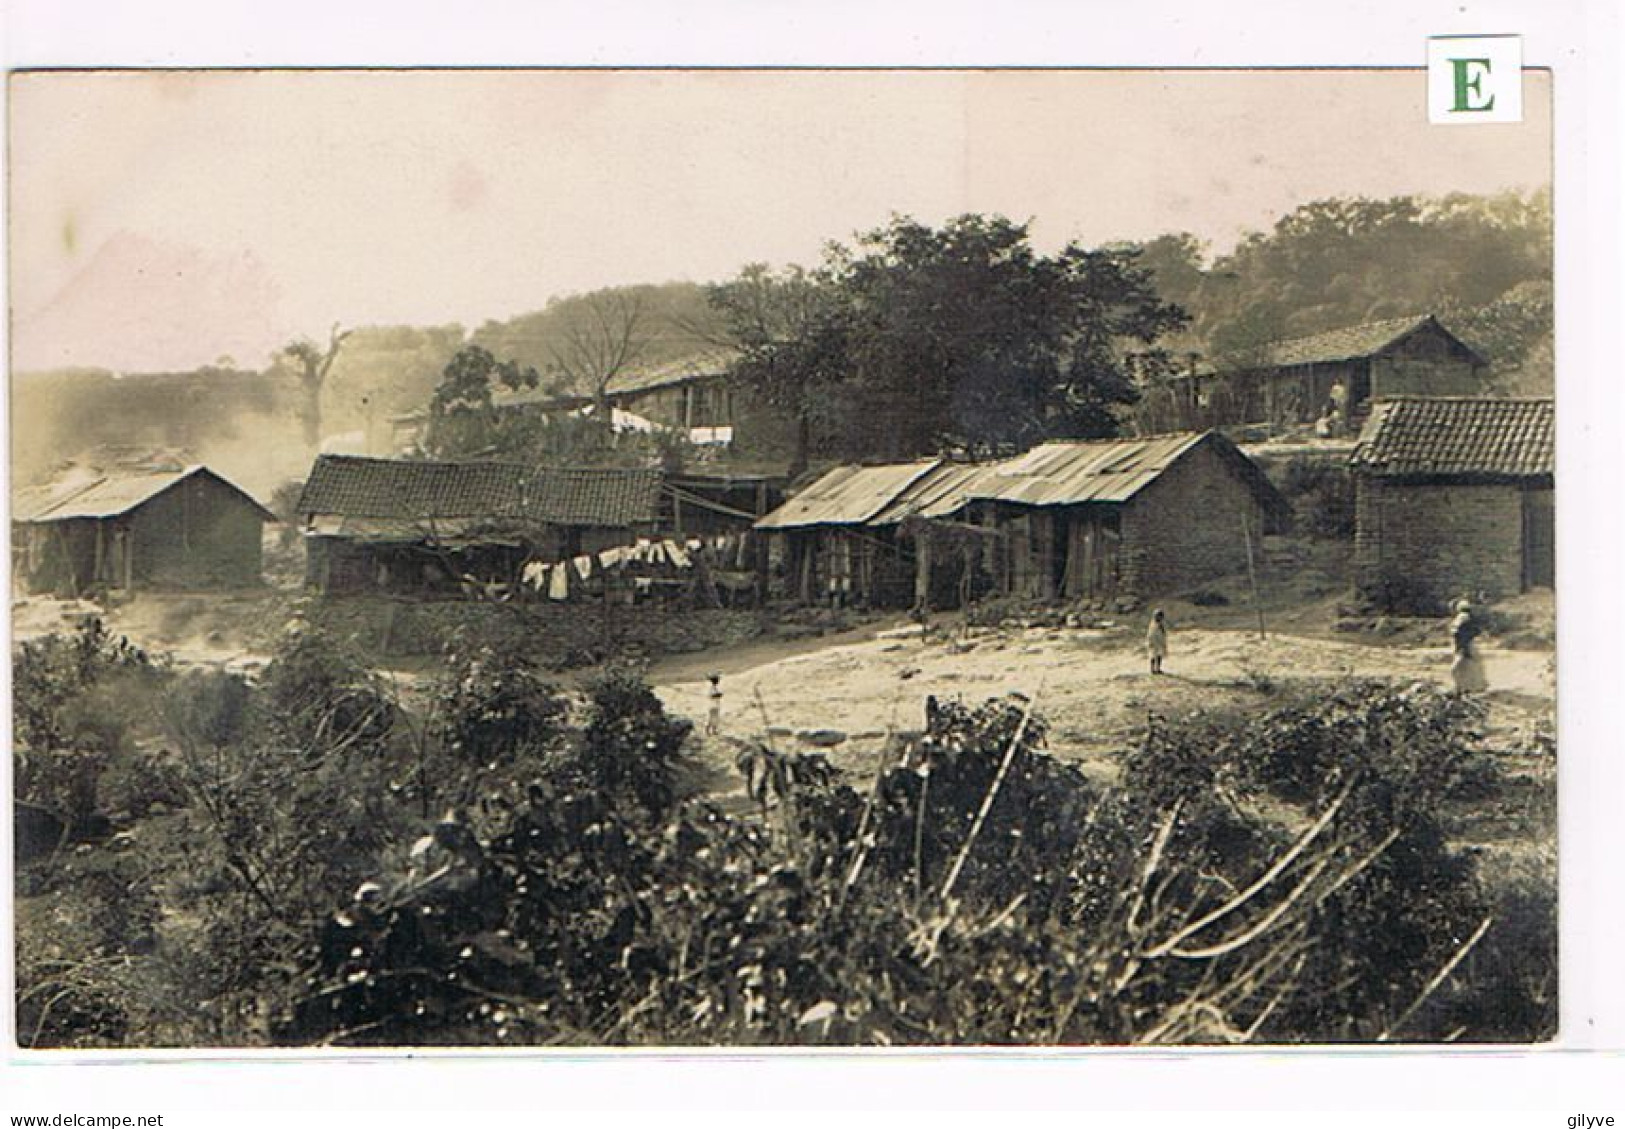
[[161, 529], [1454, 497], [430, 527], [1292, 382], [1125, 517], [1080, 519]]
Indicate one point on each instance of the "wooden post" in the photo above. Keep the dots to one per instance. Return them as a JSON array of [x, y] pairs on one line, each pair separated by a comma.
[[1252, 572], [922, 568], [807, 550]]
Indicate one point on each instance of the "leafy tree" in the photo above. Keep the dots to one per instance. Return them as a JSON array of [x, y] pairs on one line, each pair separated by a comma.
[[788, 327], [918, 339], [1338, 262], [462, 419], [1515, 333]]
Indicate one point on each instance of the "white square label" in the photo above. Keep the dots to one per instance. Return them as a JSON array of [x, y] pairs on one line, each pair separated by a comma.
[[1475, 78]]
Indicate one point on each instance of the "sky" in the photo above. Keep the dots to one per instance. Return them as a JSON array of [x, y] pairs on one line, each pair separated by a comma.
[[165, 220]]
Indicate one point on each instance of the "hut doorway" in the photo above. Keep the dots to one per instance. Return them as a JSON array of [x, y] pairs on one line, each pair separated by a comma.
[[1539, 540], [1092, 558]]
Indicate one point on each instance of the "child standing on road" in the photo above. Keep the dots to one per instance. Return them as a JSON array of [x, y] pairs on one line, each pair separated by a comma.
[[713, 719], [1156, 640]]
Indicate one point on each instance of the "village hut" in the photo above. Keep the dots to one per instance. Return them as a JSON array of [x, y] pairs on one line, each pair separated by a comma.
[[1098, 518], [423, 527], [1454, 497], [1339, 374], [1125, 517], [185, 528], [831, 547]]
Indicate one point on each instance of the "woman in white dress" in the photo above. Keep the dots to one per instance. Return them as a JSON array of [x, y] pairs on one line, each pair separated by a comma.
[[1467, 667]]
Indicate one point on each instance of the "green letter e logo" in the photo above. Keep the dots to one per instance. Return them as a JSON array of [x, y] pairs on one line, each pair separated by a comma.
[[1469, 82]]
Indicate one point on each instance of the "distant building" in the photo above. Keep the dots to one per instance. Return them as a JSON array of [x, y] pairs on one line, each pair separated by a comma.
[[693, 398], [1454, 497], [1079, 519], [186, 529], [413, 526], [1341, 373]]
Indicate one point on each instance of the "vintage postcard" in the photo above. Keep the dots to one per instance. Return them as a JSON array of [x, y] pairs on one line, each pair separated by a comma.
[[764, 558]]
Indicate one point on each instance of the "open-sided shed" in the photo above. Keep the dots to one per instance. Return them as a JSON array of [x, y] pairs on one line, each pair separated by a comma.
[[1340, 373], [423, 526]]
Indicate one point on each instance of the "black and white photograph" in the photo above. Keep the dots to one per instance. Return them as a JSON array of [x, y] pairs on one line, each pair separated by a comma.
[[572, 559]]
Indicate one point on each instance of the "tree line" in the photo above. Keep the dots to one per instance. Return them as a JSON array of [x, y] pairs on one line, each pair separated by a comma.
[[913, 339]]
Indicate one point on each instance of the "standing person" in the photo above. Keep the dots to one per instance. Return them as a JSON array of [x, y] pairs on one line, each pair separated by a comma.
[[713, 719], [1156, 640], [1467, 667]]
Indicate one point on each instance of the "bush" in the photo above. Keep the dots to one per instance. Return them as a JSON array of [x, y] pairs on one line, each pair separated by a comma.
[[1403, 595], [493, 721], [75, 698], [1273, 873], [72, 990], [981, 892], [1322, 496], [630, 748], [318, 698]]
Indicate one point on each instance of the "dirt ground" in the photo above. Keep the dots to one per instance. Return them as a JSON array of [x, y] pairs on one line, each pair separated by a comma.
[[859, 684], [1091, 683]]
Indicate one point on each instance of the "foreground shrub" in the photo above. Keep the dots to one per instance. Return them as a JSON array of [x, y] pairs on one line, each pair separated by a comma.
[[979, 891], [75, 700]]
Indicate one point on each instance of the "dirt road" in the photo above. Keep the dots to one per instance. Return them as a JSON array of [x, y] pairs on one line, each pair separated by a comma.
[[1092, 685]]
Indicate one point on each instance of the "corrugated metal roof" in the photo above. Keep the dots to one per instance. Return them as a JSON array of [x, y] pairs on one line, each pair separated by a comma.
[[1071, 473], [847, 495], [438, 493], [110, 496], [1458, 436], [1063, 473], [941, 492], [714, 362], [29, 503]]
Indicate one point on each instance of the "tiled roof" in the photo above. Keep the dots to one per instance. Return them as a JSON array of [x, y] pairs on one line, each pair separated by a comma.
[[110, 495], [1461, 436], [1347, 343], [593, 496], [427, 492], [712, 363]]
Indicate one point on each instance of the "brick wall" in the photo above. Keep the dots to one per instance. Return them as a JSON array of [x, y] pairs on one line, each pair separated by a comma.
[[1185, 529], [1425, 544]]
